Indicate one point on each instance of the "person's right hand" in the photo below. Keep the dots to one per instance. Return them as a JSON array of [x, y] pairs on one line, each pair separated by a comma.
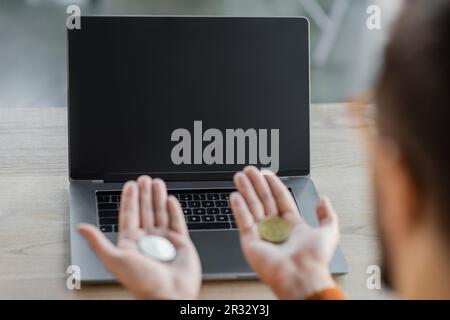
[[145, 209], [299, 267]]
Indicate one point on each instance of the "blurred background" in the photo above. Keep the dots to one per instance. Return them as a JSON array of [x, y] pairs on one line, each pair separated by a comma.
[[345, 55]]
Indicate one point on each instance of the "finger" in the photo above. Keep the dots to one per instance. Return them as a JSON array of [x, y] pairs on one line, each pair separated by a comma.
[[244, 219], [283, 197], [177, 222], [145, 202], [129, 207], [160, 203], [327, 217], [245, 188], [262, 190], [102, 247]]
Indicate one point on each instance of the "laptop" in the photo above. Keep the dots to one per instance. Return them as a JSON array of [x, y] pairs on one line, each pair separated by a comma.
[[152, 94]]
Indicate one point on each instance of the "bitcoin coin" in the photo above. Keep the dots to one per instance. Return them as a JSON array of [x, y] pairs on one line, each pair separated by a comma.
[[274, 229], [157, 247]]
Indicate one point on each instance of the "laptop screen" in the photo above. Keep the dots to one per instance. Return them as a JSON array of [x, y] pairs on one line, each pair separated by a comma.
[[187, 97]]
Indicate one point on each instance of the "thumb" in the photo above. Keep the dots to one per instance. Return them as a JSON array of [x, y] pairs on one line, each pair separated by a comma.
[[102, 247], [327, 217]]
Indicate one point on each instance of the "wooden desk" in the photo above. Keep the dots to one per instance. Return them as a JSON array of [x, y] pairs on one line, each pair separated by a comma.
[[34, 230]]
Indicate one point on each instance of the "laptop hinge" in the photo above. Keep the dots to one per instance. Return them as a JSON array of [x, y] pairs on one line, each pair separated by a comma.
[[98, 181]]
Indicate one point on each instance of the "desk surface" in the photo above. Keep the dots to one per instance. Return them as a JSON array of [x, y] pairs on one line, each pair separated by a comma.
[[34, 230]]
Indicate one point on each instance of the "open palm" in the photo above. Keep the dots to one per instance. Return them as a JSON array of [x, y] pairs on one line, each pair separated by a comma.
[[298, 267], [147, 210]]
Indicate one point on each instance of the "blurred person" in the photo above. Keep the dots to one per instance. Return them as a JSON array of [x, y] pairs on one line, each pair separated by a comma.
[[409, 145]]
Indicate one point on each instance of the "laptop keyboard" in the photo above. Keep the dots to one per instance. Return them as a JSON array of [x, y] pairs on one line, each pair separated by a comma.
[[203, 209]]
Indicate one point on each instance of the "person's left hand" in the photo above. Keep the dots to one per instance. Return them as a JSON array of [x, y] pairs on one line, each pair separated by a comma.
[[145, 209], [299, 267]]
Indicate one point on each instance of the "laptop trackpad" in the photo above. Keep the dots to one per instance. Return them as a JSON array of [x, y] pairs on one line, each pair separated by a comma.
[[220, 254]]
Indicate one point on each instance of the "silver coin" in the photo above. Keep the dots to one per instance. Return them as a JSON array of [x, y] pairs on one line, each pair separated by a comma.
[[157, 247]]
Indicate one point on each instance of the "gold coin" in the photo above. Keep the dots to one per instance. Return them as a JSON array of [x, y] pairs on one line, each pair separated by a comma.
[[274, 229]]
